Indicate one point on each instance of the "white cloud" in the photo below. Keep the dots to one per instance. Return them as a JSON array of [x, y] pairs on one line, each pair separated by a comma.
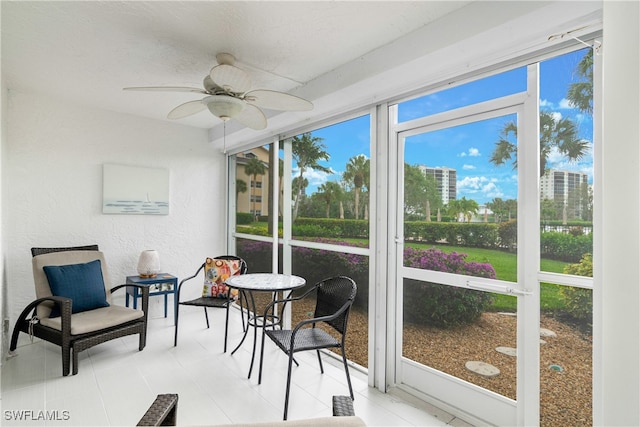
[[472, 183], [546, 103], [492, 190], [554, 157], [480, 185], [315, 178], [565, 104], [468, 167], [557, 116], [472, 152]]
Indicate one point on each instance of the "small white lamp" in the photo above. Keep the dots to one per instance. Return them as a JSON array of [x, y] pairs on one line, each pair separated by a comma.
[[149, 263]]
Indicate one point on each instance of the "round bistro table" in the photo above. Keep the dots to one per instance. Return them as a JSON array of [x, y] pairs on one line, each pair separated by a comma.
[[249, 283]]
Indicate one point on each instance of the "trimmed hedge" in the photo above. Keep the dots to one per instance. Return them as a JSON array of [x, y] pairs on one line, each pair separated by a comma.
[[553, 245], [565, 247], [331, 227], [508, 234], [474, 234], [244, 218], [247, 229]]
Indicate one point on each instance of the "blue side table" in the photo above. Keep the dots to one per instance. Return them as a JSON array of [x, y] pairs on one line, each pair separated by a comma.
[[163, 284]]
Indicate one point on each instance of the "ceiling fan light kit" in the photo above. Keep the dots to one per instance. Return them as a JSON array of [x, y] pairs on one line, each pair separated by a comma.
[[223, 106], [229, 97]]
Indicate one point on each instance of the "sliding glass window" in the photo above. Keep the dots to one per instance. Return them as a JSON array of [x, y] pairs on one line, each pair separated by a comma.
[[322, 203]]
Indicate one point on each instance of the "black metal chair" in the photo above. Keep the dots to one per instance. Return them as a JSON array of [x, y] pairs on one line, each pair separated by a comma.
[[334, 298], [77, 331], [208, 302]]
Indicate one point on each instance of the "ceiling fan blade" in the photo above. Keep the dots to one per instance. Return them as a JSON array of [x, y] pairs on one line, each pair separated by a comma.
[[186, 109], [209, 86], [274, 100], [230, 78], [252, 117], [167, 89]]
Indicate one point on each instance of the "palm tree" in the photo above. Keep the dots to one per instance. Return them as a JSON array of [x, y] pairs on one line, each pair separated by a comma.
[[454, 209], [301, 183], [272, 208], [502, 208], [328, 192], [253, 168], [241, 187], [560, 133], [414, 189], [498, 207], [434, 199], [512, 207], [281, 189], [357, 172], [468, 207], [307, 151], [580, 94]]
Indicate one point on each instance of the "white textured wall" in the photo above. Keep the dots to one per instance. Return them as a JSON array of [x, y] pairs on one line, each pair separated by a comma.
[[617, 268], [4, 343], [52, 178]]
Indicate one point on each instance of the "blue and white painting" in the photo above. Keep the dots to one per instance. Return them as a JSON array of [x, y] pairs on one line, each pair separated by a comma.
[[135, 190]]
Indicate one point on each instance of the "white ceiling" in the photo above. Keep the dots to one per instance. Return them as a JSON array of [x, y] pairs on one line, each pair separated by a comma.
[[86, 52]]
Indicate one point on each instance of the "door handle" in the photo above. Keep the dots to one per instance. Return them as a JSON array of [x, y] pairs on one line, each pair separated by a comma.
[[502, 289]]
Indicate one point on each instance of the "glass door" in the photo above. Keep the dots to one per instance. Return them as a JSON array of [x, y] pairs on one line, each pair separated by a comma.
[[460, 277], [494, 242]]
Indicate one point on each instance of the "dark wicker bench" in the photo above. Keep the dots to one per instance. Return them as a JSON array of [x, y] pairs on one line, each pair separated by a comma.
[[163, 411], [343, 406]]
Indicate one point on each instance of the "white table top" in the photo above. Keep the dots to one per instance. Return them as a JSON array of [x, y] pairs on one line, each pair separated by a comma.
[[265, 282]]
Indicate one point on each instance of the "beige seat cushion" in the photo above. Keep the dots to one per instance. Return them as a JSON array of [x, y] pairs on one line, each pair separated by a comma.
[[94, 320], [63, 258]]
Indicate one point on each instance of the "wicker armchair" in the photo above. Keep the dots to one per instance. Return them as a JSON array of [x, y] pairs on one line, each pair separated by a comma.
[[334, 298], [75, 331], [207, 302]]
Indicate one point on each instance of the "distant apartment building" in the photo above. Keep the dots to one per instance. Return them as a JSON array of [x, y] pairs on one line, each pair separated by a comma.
[[565, 188], [446, 181], [255, 199]]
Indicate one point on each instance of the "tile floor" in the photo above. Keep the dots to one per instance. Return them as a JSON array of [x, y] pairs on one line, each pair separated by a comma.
[[116, 383]]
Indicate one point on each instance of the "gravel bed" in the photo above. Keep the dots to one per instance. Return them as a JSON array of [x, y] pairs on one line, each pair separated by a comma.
[[565, 395]]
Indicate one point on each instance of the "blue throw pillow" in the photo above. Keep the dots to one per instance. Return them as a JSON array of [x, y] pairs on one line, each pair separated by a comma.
[[82, 283]]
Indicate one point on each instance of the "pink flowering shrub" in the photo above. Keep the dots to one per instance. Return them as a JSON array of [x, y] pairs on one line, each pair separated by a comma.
[[439, 305]]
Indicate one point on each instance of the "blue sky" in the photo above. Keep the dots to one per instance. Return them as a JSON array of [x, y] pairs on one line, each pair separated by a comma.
[[466, 148]]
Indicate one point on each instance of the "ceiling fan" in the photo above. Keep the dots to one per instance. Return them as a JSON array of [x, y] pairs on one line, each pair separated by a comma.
[[229, 96]]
